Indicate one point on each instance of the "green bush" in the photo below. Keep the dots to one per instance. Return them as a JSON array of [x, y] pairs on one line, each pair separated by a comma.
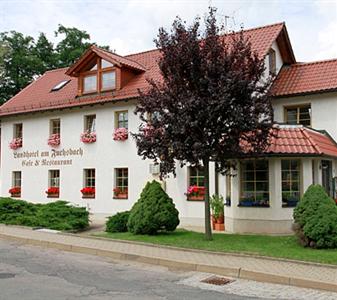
[[118, 222], [59, 215], [154, 211], [315, 219]]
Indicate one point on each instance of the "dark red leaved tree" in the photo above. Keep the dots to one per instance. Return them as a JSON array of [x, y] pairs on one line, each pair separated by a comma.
[[210, 98]]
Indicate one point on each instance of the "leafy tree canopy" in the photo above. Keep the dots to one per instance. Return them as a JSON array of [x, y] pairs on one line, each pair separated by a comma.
[[22, 58]]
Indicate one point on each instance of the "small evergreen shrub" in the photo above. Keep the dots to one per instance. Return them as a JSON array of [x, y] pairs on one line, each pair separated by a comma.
[[59, 215], [154, 211], [118, 222], [315, 219]]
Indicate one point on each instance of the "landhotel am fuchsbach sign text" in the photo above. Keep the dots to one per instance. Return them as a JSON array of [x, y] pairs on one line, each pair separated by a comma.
[[52, 157]]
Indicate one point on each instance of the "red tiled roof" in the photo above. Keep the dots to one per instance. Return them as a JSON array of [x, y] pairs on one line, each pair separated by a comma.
[[38, 96], [303, 78], [297, 140]]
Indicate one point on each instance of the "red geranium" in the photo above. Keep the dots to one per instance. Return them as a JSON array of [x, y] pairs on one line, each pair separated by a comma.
[[53, 191], [88, 191], [15, 190]]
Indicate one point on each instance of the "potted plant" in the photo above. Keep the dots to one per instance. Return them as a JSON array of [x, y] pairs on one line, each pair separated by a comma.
[[54, 140], [15, 191], [120, 134], [120, 193], [53, 192], [195, 192], [15, 143], [217, 207], [289, 199], [88, 192], [247, 202], [88, 137]]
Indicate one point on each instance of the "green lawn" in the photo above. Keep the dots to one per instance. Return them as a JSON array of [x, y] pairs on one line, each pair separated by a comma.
[[274, 246]]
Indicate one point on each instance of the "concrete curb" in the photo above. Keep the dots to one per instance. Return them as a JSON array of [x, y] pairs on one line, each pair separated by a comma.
[[179, 265]]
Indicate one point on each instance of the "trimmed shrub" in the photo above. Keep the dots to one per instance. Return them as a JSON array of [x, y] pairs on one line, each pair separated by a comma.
[[315, 219], [59, 215], [154, 211], [118, 222]]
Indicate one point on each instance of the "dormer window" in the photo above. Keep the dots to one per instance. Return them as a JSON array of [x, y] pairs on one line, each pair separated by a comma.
[[99, 77]]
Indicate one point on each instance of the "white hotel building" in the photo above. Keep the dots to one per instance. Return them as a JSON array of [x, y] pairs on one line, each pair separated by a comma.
[[98, 95]]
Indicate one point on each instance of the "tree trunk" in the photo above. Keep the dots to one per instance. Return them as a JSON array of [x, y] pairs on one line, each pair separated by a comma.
[[208, 230]]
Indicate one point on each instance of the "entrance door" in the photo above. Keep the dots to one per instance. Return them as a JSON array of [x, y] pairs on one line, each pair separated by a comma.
[[327, 176]]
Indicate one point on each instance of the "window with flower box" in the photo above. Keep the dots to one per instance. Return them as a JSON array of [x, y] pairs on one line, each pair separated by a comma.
[[121, 183], [89, 183], [17, 136], [196, 189], [54, 184], [54, 139], [290, 182], [89, 134], [254, 183], [15, 191], [121, 126]]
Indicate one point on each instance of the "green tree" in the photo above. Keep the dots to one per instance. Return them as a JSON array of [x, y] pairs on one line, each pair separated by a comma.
[[44, 51], [72, 46], [19, 63]]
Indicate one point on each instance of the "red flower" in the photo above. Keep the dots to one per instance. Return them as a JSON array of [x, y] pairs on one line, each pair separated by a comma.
[[53, 191], [15, 190], [88, 191]]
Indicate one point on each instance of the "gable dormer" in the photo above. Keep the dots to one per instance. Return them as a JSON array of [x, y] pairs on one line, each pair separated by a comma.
[[100, 71]]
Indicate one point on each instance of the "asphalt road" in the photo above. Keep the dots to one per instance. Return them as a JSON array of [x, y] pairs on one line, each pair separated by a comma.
[[32, 273]]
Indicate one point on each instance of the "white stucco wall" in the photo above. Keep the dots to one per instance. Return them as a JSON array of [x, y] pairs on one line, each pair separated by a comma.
[[104, 155]]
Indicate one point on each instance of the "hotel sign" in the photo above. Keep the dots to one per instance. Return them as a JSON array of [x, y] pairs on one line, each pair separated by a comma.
[[53, 157]]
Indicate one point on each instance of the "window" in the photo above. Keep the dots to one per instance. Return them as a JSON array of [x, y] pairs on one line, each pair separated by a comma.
[[196, 190], [18, 131], [121, 183], [90, 83], [55, 126], [122, 119], [108, 80], [106, 64], [15, 191], [90, 123], [254, 183], [290, 182], [59, 85], [89, 178], [298, 115], [272, 61], [54, 178], [16, 179]]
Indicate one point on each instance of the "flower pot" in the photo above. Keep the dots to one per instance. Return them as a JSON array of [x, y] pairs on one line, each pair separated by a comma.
[[15, 195], [220, 220], [213, 222], [53, 196], [121, 196], [196, 198], [219, 227]]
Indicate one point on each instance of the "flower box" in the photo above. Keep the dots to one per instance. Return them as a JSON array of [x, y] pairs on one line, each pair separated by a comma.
[[120, 194], [195, 193], [88, 137], [88, 192], [53, 192], [15, 143], [15, 192], [54, 140], [120, 134]]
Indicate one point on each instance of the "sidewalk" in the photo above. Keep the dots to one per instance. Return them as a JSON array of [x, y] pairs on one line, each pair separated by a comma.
[[309, 275]]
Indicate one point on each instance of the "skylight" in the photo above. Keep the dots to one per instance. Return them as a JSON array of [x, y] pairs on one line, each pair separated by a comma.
[[60, 85]]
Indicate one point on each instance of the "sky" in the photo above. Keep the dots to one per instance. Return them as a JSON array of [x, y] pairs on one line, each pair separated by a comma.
[[129, 26]]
